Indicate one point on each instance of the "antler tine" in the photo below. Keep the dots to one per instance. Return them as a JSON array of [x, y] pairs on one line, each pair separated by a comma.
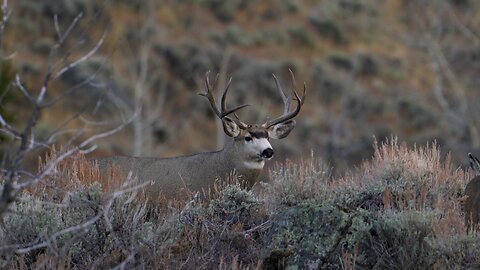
[[286, 100], [223, 114], [224, 95], [240, 122], [223, 110], [300, 100], [208, 94], [294, 83]]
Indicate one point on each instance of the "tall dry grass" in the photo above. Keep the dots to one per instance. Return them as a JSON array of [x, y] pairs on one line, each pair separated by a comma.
[[397, 208]]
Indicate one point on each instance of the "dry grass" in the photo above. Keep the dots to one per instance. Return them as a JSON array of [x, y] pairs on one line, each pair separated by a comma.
[[404, 201]]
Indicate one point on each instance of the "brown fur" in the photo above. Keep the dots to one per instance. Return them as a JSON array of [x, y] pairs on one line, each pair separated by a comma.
[[244, 154], [472, 197], [180, 176]]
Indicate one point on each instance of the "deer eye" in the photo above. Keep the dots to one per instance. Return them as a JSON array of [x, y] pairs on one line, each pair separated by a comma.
[[247, 139]]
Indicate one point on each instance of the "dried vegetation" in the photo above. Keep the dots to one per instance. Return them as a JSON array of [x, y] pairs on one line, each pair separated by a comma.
[[399, 210]]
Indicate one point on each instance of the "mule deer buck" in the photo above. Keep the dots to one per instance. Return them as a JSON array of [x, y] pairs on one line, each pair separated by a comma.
[[472, 196], [245, 153]]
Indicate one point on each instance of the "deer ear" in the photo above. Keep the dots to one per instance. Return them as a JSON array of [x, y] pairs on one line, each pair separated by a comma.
[[230, 127], [281, 130]]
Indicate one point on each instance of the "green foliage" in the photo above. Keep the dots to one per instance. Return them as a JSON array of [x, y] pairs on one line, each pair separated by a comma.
[[231, 224], [398, 241], [295, 183], [85, 233], [30, 220], [458, 252], [232, 198], [310, 228]]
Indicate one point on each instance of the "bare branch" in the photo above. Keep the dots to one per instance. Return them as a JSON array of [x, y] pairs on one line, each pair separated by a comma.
[[22, 89], [20, 172], [88, 150], [69, 29], [83, 58], [124, 263], [44, 244], [9, 129], [5, 16], [64, 124], [69, 91], [94, 123], [52, 165], [57, 27]]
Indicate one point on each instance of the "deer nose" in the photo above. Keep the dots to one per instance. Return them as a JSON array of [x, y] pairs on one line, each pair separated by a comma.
[[267, 153]]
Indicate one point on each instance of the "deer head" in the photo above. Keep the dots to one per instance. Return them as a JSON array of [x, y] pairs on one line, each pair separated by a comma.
[[252, 140]]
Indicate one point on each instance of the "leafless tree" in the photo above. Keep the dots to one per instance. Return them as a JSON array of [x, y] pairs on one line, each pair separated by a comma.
[[450, 88], [15, 177], [144, 84]]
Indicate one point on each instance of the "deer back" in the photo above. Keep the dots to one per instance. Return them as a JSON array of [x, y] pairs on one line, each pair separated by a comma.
[[178, 177]]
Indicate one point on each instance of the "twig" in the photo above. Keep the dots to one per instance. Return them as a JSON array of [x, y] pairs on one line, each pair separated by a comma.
[[22, 89], [9, 129], [52, 165], [83, 58]]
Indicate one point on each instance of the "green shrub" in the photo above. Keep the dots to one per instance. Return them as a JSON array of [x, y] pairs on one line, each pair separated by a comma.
[[397, 211], [398, 241], [310, 228]]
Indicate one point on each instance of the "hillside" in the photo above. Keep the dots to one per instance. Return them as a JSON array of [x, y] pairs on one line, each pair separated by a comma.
[[403, 68]]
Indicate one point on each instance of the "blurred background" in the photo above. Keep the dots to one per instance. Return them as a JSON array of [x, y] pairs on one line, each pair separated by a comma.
[[406, 68]]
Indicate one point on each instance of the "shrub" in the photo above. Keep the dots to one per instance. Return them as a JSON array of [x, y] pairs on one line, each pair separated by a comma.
[[294, 183], [398, 241], [230, 228], [397, 211]]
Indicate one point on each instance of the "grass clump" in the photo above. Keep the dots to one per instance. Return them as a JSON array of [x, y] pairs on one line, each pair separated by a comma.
[[397, 211]]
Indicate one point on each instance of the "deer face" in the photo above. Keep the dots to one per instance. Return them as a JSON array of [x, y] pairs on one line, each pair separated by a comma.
[[252, 141]]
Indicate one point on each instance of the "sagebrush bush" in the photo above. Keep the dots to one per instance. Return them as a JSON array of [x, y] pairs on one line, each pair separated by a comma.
[[402, 202], [397, 211], [398, 241], [294, 183]]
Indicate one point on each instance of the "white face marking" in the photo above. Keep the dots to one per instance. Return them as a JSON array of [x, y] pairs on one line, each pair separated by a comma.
[[255, 147]]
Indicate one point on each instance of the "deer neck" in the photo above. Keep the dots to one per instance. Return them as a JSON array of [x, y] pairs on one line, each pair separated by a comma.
[[242, 163]]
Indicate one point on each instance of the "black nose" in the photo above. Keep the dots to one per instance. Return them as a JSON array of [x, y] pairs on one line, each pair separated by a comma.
[[267, 153]]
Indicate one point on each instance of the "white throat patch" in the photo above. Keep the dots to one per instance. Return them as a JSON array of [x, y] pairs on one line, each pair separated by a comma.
[[253, 151], [257, 165]]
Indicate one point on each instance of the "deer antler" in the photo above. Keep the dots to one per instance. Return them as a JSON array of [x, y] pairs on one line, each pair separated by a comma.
[[287, 115], [223, 108]]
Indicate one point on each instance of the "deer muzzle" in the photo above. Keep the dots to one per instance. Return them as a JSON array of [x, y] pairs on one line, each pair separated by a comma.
[[267, 153]]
